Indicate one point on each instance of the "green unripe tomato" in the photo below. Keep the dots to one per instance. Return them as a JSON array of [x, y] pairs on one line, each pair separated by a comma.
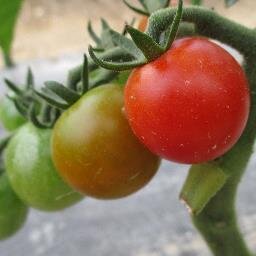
[[9, 115], [13, 211], [32, 174]]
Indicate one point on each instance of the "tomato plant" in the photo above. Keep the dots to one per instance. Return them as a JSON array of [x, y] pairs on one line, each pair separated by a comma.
[[13, 211], [10, 118], [95, 150], [191, 104], [31, 171]]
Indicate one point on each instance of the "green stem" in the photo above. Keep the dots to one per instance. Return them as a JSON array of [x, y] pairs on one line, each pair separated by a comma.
[[196, 2], [209, 24], [7, 60], [217, 222]]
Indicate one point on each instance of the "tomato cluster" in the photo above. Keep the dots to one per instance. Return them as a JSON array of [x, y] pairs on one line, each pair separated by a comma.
[[189, 105]]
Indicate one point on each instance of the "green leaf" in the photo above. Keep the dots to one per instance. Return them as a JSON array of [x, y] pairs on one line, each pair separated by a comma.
[[9, 10], [196, 2], [230, 2], [92, 33], [63, 92], [135, 9], [112, 65], [85, 76], [202, 183], [126, 44], [103, 77], [154, 5], [50, 99], [13, 87], [173, 29], [30, 79], [145, 43]]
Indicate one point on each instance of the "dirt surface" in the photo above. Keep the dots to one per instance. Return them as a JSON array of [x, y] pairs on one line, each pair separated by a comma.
[[50, 29]]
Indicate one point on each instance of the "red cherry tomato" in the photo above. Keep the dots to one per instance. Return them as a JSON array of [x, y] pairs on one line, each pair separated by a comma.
[[191, 104]]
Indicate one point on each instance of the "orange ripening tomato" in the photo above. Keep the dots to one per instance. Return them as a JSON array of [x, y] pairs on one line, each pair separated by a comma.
[[95, 150]]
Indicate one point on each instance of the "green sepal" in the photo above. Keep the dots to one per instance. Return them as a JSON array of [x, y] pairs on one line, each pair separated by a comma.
[[20, 106], [126, 44], [230, 2], [116, 66], [202, 183], [102, 77], [136, 9], [29, 79], [154, 5], [148, 6], [92, 34], [150, 49], [62, 92], [32, 115], [173, 29], [196, 2], [13, 87], [85, 76], [51, 99]]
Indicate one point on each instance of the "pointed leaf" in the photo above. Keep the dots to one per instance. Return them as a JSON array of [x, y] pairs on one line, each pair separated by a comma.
[[103, 77], [29, 79], [32, 115], [93, 35], [74, 76], [106, 39], [13, 87], [116, 66], [85, 76], [230, 2], [22, 109], [126, 44], [135, 9], [63, 92], [196, 2], [154, 5], [145, 43], [60, 104], [173, 29]]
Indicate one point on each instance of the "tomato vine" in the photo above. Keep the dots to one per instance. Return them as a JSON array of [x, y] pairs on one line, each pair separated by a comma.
[[210, 188]]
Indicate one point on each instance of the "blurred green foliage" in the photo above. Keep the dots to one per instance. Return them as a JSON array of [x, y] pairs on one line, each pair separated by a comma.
[[9, 10]]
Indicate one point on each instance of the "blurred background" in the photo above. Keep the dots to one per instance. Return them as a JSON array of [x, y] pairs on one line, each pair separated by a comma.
[[50, 37], [50, 29]]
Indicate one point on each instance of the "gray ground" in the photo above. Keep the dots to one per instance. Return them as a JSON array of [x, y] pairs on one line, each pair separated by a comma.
[[150, 223]]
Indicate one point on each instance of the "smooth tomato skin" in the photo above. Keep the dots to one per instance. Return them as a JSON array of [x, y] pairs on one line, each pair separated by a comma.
[[13, 212], [191, 104], [31, 171], [10, 118], [95, 150]]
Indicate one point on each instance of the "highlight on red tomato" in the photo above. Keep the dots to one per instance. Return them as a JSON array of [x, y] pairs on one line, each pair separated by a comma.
[[191, 104], [95, 150]]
